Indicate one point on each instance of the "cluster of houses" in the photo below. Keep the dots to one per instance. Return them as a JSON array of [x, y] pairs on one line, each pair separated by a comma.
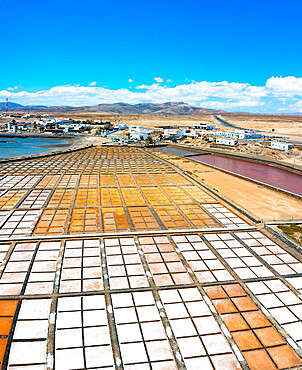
[[281, 145], [134, 134], [229, 138], [34, 123], [232, 139], [47, 124], [139, 133]]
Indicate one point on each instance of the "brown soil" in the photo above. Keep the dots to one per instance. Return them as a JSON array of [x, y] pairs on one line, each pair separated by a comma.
[[263, 203]]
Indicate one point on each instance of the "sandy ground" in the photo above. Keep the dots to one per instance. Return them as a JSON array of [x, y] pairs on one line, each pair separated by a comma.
[[95, 140], [145, 120], [282, 125], [263, 203], [286, 126], [289, 126], [293, 156]]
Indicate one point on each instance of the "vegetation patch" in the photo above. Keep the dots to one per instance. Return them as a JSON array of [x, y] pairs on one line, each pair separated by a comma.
[[294, 231]]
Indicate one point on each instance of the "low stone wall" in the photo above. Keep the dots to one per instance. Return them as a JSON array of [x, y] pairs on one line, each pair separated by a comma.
[[246, 157], [251, 180], [210, 151], [280, 235]]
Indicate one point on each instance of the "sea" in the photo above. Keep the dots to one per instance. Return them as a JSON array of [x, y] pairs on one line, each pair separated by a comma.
[[14, 146]]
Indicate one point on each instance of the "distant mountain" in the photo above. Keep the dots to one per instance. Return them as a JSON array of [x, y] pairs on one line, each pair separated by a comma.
[[170, 108], [9, 105]]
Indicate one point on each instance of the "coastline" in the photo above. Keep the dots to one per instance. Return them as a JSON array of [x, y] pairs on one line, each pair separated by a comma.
[[74, 143], [70, 139]]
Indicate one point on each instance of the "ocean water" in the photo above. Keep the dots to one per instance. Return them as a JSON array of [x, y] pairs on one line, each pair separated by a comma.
[[15, 146]]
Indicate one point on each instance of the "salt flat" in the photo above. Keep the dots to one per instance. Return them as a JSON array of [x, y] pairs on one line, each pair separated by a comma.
[[114, 258]]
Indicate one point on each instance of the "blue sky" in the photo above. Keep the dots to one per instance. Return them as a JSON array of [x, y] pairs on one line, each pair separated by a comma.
[[220, 54]]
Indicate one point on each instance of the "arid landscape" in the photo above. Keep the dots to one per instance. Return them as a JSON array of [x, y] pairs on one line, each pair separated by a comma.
[[284, 125], [178, 114]]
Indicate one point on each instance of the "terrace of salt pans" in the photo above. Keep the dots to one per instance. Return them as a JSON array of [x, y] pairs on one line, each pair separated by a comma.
[[113, 258]]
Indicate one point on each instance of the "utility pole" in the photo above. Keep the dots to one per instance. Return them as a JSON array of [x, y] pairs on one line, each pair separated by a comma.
[[6, 105]]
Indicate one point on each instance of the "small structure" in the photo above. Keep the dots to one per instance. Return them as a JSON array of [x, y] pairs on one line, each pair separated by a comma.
[[135, 129], [71, 128], [140, 135], [226, 141], [247, 134], [204, 126], [281, 145], [238, 134], [225, 134], [173, 133], [192, 133]]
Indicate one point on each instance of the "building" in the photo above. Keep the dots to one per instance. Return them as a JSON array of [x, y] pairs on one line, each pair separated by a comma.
[[75, 127], [281, 145], [135, 129], [204, 126], [192, 133], [226, 141], [170, 133], [238, 134], [225, 134], [12, 127], [27, 116], [247, 134], [140, 135]]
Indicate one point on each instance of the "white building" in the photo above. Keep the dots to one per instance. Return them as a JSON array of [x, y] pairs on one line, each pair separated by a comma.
[[226, 141], [139, 135], [247, 134], [135, 129], [168, 132], [225, 134], [11, 127], [192, 133], [281, 145], [75, 127], [27, 116], [238, 134], [204, 126]]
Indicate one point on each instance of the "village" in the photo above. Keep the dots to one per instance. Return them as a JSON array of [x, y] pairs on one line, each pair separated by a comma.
[[201, 134]]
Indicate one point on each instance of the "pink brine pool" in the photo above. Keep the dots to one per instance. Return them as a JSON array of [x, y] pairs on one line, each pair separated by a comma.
[[270, 175]]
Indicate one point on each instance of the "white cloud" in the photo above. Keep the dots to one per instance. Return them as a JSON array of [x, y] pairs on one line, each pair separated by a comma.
[[15, 88], [93, 83], [130, 80], [159, 80], [296, 107], [220, 95], [285, 85], [143, 87], [168, 80]]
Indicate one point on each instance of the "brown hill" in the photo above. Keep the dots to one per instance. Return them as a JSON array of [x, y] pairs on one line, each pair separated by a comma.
[[169, 108]]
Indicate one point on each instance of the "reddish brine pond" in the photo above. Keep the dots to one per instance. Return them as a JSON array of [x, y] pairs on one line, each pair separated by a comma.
[[270, 175]]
